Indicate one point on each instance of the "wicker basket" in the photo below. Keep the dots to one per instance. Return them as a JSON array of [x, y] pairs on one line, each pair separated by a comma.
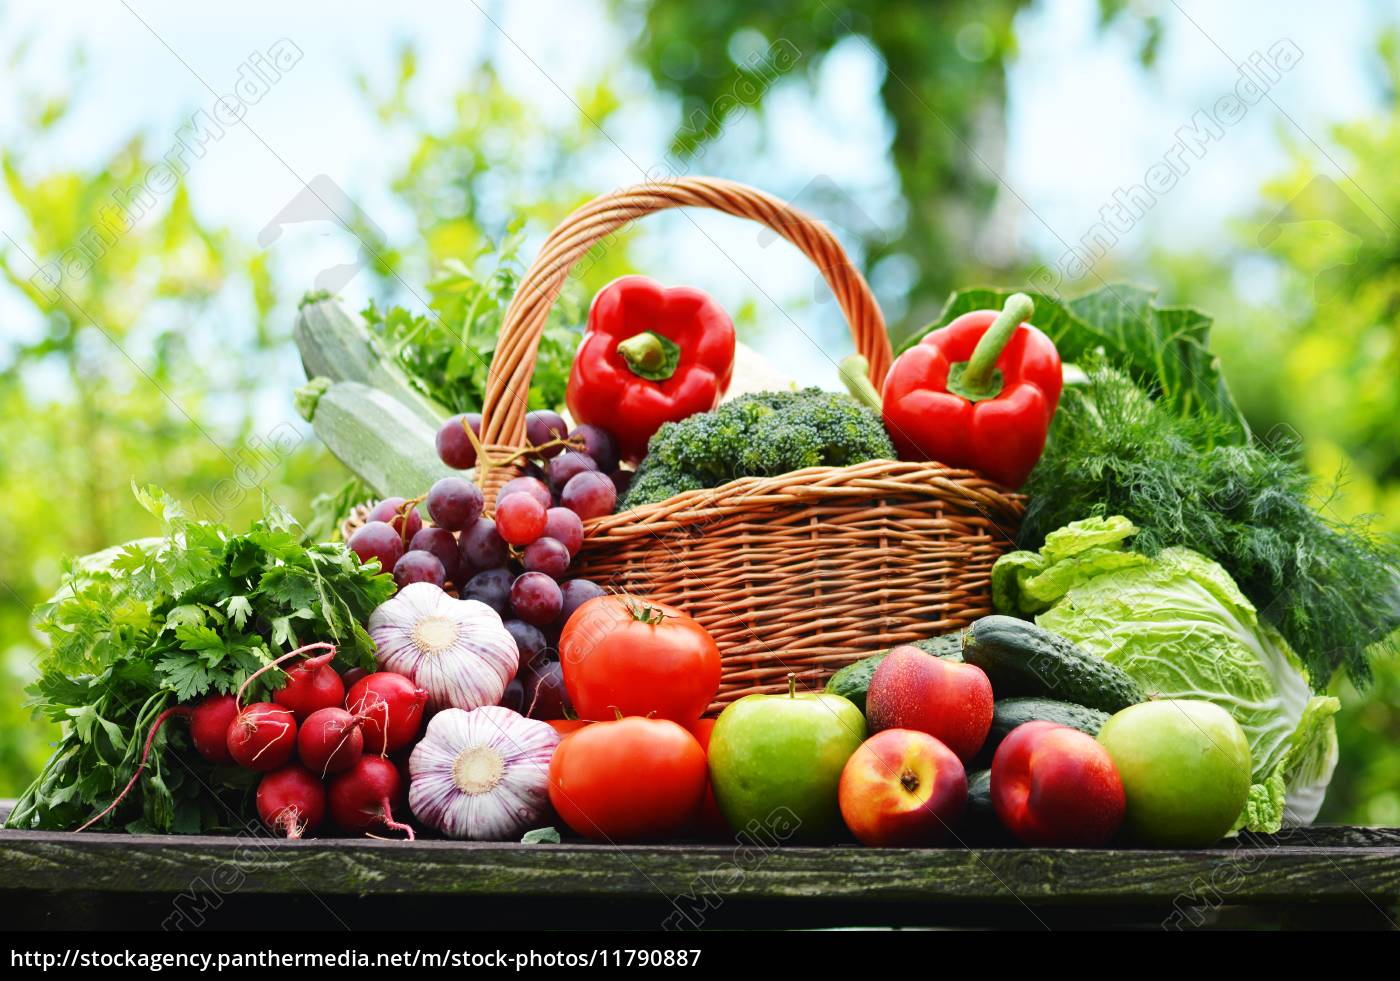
[[801, 573]]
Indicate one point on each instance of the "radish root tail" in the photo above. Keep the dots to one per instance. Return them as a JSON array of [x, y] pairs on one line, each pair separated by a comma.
[[268, 745], [145, 755], [318, 645], [289, 820], [393, 825], [348, 732]]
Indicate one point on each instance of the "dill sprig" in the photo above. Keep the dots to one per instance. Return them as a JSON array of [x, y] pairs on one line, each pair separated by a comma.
[[1329, 586]]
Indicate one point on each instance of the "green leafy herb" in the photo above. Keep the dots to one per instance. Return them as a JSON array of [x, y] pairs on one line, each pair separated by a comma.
[[1330, 588], [446, 352], [156, 622], [328, 510]]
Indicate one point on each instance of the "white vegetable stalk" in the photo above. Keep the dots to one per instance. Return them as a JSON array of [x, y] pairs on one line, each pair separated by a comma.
[[457, 650], [483, 774]]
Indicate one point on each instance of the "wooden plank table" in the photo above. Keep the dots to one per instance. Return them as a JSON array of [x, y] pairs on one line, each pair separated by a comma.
[[1324, 876]]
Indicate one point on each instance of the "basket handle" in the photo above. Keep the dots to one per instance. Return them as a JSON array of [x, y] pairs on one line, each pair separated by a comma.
[[508, 381]]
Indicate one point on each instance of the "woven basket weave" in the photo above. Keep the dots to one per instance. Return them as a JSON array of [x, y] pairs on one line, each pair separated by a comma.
[[801, 573]]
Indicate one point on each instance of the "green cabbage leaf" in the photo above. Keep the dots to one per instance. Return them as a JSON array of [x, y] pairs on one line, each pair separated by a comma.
[[1179, 625]]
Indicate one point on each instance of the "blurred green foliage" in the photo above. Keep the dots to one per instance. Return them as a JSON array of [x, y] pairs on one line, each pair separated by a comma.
[[943, 90], [1316, 369], [1323, 364], [109, 379], [493, 167]]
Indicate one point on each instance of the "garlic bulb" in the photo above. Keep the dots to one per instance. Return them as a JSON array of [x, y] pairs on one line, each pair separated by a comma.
[[457, 650], [483, 774]]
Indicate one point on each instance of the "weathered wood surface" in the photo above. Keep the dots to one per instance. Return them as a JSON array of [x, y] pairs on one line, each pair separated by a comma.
[[1315, 877], [1316, 866]]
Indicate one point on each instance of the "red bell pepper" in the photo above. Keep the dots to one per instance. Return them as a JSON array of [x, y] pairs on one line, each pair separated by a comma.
[[650, 355], [978, 393]]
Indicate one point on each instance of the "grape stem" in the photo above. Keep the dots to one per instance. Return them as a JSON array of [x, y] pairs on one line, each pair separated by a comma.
[[405, 509], [484, 463]]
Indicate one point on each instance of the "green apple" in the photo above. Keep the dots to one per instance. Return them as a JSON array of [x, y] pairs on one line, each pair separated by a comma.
[[776, 761], [1185, 769]]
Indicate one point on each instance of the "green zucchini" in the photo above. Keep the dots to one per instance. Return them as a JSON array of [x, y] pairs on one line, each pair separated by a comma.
[[1023, 659], [378, 438], [335, 343], [853, 681], [1008, 713]]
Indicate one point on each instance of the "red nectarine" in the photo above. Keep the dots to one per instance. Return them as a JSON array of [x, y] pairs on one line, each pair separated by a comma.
[[1053, 785], [949, 700], [902, 788]]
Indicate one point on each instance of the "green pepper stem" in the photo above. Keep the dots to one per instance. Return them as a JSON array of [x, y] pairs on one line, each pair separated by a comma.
[[855, 374], [643, 353], [977, 380]]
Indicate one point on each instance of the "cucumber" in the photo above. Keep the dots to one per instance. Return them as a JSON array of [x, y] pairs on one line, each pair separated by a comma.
[[1023, 659], [379, 438], [853, 681], [335, 343], [980, 811], [1009, 713]]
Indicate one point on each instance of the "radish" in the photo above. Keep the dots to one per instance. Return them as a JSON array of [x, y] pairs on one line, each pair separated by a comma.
[[262, 737], [209, 724], [291, 800], [330, 740], [392, 707], [361, 799], [313, 684], [308, 686]]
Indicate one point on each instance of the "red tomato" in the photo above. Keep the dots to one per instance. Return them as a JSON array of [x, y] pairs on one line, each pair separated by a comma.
[[709, 822], [566, 726], [626, 654], [628, 780]]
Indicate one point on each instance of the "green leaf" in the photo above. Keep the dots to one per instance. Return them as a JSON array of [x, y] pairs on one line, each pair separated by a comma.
[[83, 718], [198, 637], [188, 615], [282, 630], [238, 609], [185, 676], [158, 504], [541, 836], [289, 586]]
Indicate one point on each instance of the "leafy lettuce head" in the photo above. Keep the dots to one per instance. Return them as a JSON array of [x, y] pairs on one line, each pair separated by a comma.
[[1177, 623]]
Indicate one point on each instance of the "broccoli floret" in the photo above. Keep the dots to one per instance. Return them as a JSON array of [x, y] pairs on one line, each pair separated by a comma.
[[656, 482], [758, 435]]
